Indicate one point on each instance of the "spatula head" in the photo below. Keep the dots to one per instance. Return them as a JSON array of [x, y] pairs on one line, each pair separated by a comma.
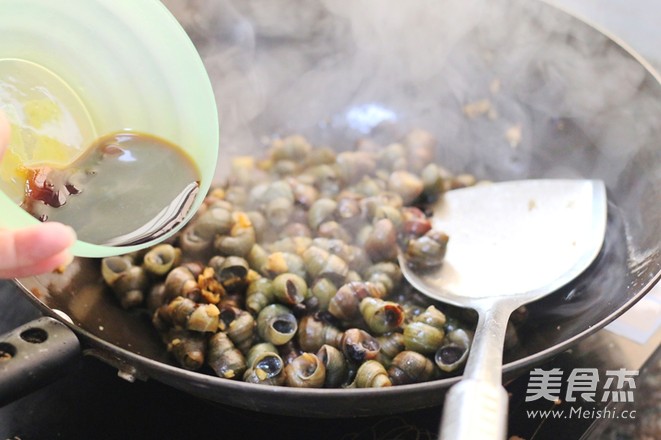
[[519, 238]]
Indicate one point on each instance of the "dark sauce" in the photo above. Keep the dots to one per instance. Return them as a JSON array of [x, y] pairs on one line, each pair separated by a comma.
[[127, 188]]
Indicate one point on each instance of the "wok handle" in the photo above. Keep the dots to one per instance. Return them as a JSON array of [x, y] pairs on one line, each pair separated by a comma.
[[34, 355]]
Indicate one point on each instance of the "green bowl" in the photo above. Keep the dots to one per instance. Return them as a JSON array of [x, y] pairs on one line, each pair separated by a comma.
[[120, 65]]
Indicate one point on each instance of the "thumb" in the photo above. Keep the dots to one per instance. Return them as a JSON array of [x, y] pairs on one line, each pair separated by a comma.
[[35, 249]]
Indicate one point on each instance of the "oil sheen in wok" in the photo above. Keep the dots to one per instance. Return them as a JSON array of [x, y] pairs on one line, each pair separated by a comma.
[[125, 189]]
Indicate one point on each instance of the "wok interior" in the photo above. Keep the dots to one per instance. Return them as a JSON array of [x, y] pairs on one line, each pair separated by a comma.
[[511, 90]]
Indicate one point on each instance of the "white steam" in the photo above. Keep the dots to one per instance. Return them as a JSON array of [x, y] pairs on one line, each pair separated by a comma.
[[498, 82]]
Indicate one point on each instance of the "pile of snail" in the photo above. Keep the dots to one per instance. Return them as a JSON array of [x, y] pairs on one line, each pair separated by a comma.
[[288, 274]]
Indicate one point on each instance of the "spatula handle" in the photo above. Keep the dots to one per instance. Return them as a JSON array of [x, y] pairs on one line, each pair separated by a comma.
[[474, 409]]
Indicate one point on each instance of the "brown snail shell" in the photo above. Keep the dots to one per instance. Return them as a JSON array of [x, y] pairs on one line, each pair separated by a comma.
[[359, 346], [410, 367], [345, 305], [306, 371]]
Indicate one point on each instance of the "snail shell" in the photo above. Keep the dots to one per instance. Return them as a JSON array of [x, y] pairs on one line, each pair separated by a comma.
[[427, 251], [314, 332], [381, 316], [185, 313], [306, 371], [276, 324], [406, 184], [231, 272], [127, 281], [181, 282], [189, 348], [453, 353], [337, 369], [322, 210], [283, 262], [259, 294], [290, 289], [239, 325], [321, 263], [160, 259], [371, 374], [410, 367], [432, 316], [391, 344], [345, 305], [323, 290], [241, 237], [359, 346], [224, 358], [422, 337], [265, 366]]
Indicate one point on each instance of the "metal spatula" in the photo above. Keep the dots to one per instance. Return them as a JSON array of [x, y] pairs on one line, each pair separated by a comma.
[[510, 243]]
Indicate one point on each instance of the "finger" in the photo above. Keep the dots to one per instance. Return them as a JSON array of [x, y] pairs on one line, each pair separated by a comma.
[[47, 265], [33, 245]]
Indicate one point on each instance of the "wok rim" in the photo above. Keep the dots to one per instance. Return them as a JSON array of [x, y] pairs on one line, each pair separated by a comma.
[[145, 366]]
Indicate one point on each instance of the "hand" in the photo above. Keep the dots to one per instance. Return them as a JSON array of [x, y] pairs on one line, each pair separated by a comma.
[[36, 249]]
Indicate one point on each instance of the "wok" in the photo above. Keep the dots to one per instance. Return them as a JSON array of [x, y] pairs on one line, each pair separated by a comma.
[[511, 89]]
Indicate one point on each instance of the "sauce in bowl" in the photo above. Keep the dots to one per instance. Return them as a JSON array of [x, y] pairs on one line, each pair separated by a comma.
[[127, 188]]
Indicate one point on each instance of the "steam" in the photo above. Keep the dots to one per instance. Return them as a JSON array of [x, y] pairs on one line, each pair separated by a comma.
[[510, 88]]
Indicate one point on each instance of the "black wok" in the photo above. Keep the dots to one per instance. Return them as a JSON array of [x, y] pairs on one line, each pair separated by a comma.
[[562, 100]]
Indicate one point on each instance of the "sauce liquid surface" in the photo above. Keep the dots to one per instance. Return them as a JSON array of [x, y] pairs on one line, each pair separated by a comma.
[[127, 188]]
